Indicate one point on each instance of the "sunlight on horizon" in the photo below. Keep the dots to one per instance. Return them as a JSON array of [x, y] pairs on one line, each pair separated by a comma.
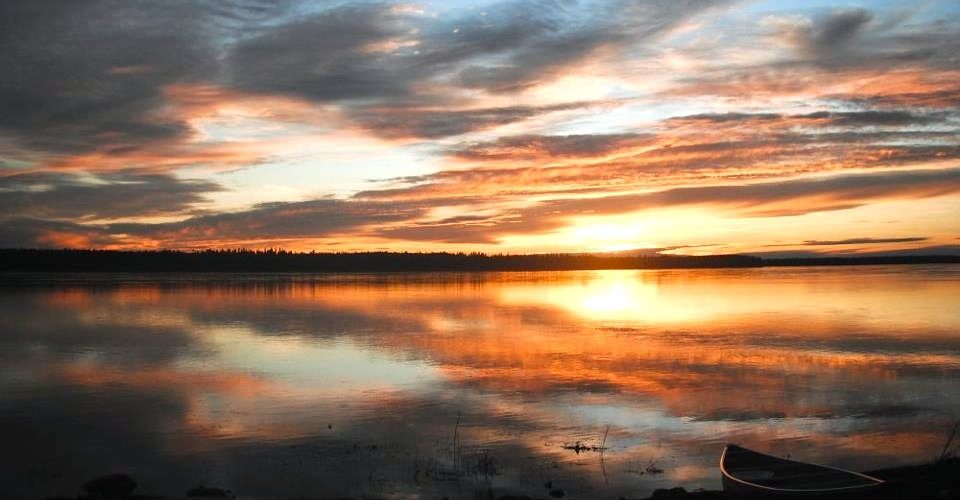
[[767, 128]]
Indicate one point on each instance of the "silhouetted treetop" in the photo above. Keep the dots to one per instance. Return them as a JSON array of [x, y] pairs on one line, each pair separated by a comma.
[[279, 260]]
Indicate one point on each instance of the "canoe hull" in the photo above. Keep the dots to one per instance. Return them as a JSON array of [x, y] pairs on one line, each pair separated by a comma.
[[749, 474], [737, 490]]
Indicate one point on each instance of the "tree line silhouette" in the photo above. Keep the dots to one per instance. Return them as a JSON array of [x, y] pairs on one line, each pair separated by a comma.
[[277, 260]]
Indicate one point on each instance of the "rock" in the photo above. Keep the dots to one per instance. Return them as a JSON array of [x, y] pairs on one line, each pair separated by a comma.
[[208, 492], [111, 486], [676, 492], [557, 493]]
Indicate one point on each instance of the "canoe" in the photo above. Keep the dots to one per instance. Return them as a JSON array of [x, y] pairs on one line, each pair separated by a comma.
[[753, 474]]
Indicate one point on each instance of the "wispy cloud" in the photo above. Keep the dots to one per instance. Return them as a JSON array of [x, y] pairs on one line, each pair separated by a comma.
[[864, 241], [129, 125]]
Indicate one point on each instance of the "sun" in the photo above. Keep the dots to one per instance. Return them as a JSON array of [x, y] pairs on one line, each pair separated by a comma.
[[608, 237]]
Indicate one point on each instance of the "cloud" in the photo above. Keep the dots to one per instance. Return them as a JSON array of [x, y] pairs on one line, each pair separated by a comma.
[[819, 118], [272, 223], [781, 198], [550, 35], [864, 241], [530, 147], [763, 199], [688, 150], [854, 37], [107, 90], [266, 222], [93, 79], [324, 56], [945, 250], [79, 76], [843, 242], [87, 86], [400, 122], [856, 55], [26, 232], [401, 74], [837, 28], [117, 195], [275, 221], [376, 50]]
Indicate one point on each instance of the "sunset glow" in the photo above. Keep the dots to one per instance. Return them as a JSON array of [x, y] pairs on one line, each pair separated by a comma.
[[707, 127]]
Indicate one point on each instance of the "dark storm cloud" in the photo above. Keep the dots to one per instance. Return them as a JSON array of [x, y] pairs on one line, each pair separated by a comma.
[[107, 196]]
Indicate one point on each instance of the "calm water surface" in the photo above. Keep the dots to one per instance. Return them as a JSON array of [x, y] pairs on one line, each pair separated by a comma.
[[456, 385]]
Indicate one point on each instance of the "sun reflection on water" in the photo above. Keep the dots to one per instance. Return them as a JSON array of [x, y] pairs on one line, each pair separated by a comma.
[[832, 363]]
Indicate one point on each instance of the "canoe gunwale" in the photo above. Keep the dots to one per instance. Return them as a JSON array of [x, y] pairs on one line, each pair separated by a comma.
[[727, 475]]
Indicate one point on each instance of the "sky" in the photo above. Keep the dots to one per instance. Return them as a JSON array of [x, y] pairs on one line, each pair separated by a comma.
[[684, 126]]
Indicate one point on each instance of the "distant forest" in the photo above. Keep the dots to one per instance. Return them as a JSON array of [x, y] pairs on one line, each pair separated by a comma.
[[36, 260]]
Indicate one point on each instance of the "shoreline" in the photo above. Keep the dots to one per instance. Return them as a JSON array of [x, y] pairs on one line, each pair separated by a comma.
[[277, 261], [939, 480]]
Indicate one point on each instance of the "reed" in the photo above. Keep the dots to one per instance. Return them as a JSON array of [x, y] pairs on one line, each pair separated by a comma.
[[947, 451]]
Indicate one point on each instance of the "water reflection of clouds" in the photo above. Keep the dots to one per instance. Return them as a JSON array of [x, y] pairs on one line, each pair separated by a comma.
[[676, 363]]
